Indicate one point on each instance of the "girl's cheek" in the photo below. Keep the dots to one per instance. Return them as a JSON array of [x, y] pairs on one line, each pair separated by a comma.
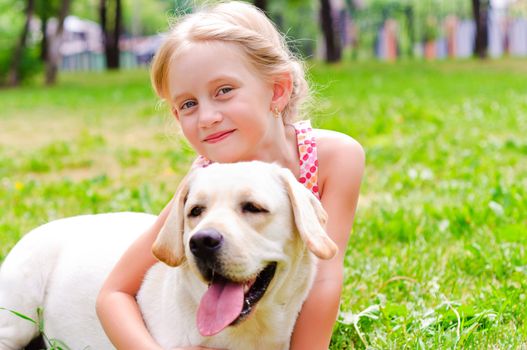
[[188, 128]]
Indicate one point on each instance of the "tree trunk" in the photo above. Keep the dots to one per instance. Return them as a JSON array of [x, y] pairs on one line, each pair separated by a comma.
[[409, 14], [46, 10], [261, 4], [44, 42], [13, 75], [331, 37], [55, 40], [480, 9], [116, 35], [111, 19]]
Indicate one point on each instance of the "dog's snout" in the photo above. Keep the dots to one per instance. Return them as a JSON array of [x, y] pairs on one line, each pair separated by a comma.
[[204, 243]]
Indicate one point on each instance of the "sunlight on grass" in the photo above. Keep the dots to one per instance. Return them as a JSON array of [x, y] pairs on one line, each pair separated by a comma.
[[437, 258]]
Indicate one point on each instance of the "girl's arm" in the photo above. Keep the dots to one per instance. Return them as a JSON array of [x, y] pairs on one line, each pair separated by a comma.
[[342, 160], [116, 306]]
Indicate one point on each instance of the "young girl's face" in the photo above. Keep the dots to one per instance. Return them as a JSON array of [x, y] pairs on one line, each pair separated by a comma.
[[223, 105]]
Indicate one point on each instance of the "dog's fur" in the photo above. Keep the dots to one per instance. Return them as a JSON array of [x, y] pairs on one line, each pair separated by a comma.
[[60, 266]]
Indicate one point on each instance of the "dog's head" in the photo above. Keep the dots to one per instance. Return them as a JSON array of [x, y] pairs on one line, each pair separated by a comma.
[[237, 224]]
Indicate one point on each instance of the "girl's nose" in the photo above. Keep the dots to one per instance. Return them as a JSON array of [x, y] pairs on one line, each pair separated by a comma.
[[208, 116]]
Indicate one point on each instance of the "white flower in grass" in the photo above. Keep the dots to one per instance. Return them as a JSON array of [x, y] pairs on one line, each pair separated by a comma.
[[428, 319], [433, 286], [350, 318], [427, 174], [496, 208], [443, 225], [423, 174], [382, 299]]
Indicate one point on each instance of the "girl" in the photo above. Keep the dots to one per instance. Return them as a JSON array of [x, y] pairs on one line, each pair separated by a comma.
[[235, 89]]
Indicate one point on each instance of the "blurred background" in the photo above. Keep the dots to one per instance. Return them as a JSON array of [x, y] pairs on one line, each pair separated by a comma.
[[79, 35]]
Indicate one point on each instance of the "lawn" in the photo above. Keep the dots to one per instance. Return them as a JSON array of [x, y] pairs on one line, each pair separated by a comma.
[[437, 258]]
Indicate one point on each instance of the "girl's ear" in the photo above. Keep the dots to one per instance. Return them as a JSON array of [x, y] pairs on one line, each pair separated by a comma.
[[282, 89]]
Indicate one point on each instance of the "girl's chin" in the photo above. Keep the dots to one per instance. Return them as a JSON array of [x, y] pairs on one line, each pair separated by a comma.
[[228, 153], [225, 157]]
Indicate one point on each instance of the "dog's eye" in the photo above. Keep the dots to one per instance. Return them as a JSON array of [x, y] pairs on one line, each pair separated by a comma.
[[196, 211], [249, 207]]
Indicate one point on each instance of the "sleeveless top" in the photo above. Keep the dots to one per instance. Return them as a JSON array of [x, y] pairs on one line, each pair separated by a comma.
[[307, 151]]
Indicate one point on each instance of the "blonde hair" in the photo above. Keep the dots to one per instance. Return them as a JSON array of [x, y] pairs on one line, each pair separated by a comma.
[[247, 27]]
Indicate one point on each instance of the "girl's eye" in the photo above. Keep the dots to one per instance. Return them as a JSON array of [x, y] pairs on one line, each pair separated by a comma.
[[224, 90], [196, 211], [188, 104], [249, 207]]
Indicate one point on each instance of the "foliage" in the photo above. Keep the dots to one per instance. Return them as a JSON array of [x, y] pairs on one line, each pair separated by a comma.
[[87, 9], [52, 344], [298, 21], [30, 65], [47, 9], [140, 17], [431, 29], [518, 8], [11, 18], [11, 22], [437, 257], [146, 17]]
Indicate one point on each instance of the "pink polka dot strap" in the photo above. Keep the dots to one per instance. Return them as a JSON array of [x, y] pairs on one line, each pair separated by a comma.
[[201, 162], [307, 151]]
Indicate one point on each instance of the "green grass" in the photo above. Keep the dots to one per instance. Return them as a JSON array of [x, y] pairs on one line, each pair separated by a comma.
[[437, 258]]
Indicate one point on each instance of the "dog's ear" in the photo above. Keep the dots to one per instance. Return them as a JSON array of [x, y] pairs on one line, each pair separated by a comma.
[[168, 246], [310, 217]]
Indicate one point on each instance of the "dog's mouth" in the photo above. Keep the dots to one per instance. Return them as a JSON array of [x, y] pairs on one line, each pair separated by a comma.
[[227, 303]]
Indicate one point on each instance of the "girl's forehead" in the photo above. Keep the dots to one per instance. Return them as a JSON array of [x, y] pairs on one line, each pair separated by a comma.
[[198, 63], [210, 52]]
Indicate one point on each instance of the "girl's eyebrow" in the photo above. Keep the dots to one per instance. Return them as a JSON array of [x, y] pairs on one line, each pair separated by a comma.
[[176, 97], [223, 78]]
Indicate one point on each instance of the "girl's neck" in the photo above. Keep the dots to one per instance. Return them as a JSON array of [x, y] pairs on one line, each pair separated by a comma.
[[280, 147]]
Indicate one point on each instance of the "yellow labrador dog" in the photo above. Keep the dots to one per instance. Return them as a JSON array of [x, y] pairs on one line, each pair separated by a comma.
[[237, 259]]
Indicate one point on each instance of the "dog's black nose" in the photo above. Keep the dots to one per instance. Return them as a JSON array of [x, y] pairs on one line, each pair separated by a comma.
[[203, 244]]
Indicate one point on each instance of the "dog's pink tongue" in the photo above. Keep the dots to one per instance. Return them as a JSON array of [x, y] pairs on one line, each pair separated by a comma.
[[221, 304]]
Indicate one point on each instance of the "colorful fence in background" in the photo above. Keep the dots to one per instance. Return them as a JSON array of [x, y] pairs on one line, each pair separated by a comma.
[[454, 37], [507, 37]]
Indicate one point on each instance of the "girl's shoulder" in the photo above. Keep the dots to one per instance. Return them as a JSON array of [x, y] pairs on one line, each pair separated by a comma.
[[340, 157], [334, 144], [329, 143]]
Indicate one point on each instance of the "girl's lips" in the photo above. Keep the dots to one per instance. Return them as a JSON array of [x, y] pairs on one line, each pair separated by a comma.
[[218, 136]]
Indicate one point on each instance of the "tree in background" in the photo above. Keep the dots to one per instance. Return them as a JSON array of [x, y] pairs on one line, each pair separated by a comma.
[[110, 12], [329, 30], [480, 9], [302, 21], [14, 74], [45, 10], [52, 45], [23, 59]]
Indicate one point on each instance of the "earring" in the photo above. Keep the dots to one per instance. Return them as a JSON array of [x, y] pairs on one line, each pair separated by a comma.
[[276, 112]]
